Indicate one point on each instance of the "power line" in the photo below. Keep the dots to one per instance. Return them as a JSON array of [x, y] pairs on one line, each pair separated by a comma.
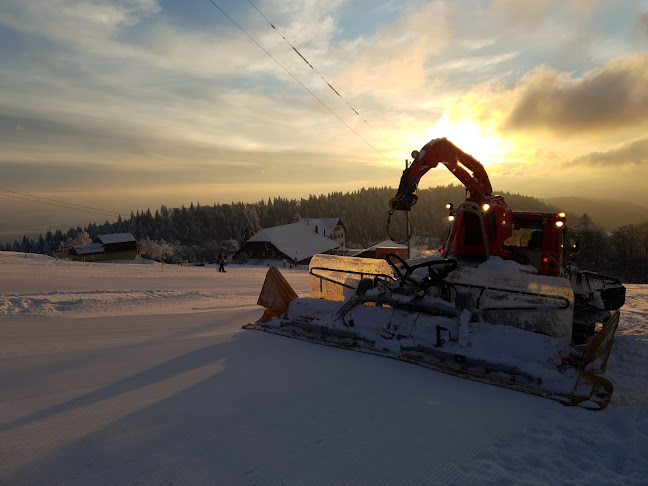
[[300, 83], [59, 201], [56, 202], [320, 74]]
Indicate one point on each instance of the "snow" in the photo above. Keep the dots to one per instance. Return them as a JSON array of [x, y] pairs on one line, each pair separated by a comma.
[[501, 265], [88, 249], [325, 226], [115, 238], [295, 239], [141, 374], [388, 244]]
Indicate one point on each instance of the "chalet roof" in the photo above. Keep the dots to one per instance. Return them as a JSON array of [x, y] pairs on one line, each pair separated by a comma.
[[296, 240], [114, 238], [88, 249], [325, 226], [387, 244]]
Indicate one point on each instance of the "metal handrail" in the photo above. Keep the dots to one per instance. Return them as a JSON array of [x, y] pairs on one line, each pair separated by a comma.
[[352, 272], [565, 300]]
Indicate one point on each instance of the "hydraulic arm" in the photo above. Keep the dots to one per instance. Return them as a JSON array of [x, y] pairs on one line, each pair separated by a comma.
[[465, 167]]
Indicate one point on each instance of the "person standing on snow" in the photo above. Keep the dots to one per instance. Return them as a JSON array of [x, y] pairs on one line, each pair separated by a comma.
[[221, 263]]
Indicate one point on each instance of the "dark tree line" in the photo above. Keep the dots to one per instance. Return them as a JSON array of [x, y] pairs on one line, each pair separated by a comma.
[[623, 253], [201, 232]]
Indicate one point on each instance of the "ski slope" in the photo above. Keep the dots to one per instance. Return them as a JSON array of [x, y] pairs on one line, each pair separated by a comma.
[[141, 374]]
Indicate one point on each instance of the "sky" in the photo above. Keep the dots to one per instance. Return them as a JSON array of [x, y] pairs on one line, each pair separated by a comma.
[[130, 104]]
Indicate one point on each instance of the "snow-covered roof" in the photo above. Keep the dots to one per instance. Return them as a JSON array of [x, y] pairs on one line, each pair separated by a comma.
[[296, 240], [115, 238], [88, 249], [325, 226], [387, 244]]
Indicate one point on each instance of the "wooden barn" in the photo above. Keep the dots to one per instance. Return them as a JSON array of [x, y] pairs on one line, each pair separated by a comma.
[[117, 246]]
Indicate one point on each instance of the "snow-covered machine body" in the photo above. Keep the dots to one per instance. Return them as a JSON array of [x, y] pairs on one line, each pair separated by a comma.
[[501, 304]]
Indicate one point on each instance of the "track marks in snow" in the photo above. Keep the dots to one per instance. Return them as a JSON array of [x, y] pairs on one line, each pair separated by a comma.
[[628, 362], [110, 302], [35, 439]]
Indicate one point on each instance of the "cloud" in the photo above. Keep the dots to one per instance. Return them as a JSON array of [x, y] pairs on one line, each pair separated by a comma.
[[232, 167], [303, 22], [612, 97], [442, 49], [58, 19], [641, 24], [394, 59], [523, 14], [166, 78], [634, 152], [133, 42], [178, 92]]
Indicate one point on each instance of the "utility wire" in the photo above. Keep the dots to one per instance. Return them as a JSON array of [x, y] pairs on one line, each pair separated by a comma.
[[320, 74], [301, 84], [53, 202]]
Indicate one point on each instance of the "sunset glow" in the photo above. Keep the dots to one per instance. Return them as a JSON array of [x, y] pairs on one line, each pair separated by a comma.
[[471, 137], [139, 103]]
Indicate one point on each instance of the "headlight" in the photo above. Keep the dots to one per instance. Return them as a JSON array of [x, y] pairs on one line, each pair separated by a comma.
[[451, 218], [486, 207], [560, 223]]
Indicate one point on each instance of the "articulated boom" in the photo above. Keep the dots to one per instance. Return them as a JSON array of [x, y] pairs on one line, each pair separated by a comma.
[[483, 222], [465, 168]]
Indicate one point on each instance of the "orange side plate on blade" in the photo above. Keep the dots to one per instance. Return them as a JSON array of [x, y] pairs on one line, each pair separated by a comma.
[[276, 295]]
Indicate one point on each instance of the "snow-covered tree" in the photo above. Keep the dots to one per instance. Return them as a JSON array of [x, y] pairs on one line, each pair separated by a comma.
[[162, 249], [229, 246], [250, 224], [153, 249], [81, 238]]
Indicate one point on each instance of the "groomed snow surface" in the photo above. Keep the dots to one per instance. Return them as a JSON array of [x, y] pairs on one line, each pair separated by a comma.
[[141, 374]]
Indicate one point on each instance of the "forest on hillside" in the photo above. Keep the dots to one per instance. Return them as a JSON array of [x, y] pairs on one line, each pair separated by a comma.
[[198, 232]]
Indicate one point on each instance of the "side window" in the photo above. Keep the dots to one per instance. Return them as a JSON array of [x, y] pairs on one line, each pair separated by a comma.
[[492, 226], [473, 229], [520, 237]]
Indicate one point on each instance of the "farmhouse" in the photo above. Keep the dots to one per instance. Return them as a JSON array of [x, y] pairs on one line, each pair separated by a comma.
[[62, 252], [330, 227], [296, 242], [117, 246]]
